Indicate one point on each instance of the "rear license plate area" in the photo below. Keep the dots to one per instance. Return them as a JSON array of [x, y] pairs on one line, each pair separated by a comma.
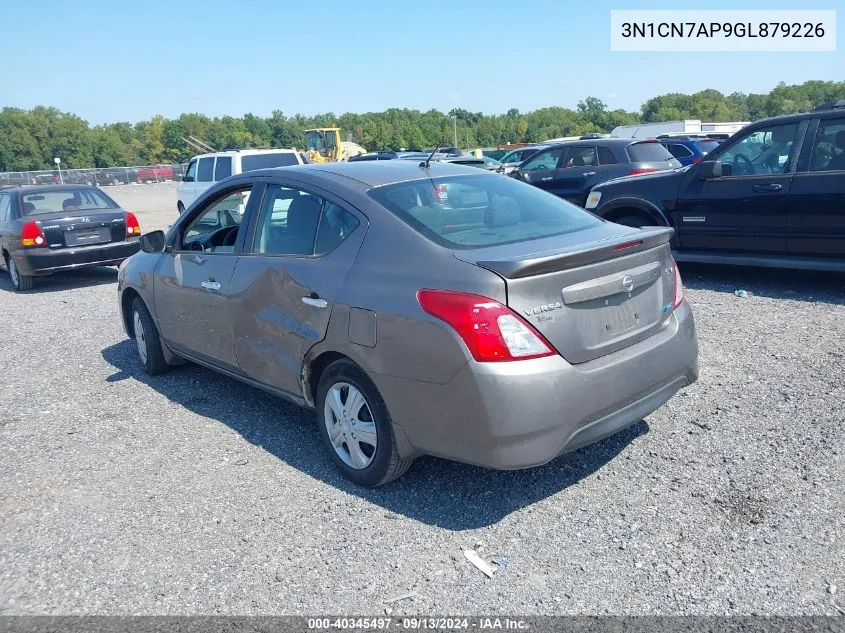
[[84, 237]]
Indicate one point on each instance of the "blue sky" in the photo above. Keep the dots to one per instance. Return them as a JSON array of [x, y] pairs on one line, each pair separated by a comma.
[[126, 61]]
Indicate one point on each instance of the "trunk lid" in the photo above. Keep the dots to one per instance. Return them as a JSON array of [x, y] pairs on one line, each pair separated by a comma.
[[591, 293], [82, 228]]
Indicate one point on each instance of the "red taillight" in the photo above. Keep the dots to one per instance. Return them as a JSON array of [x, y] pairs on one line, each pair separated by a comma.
[[695, 160], [634, 172], [491, 331], [679, 286], [132, 226], [31, 235], [623, 246]]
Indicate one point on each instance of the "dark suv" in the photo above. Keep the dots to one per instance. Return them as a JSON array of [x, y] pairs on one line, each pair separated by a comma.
[[570, 169], [771, 195]]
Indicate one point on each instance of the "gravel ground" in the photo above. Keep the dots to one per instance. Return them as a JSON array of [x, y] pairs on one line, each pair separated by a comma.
[[191, 493]]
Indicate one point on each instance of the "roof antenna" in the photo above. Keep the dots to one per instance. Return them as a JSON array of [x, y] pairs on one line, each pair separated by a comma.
[[427, 162]]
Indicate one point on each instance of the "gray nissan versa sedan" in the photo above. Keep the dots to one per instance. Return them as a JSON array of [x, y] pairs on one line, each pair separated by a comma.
[[419, 308]]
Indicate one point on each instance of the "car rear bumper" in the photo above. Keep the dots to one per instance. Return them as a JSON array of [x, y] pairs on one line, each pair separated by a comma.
[[525, 413], [46, 261]]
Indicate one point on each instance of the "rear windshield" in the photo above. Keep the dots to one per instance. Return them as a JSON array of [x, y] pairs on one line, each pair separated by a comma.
[[648, 152], [57, 200], [265, 161], [705, 147], [464, 212]]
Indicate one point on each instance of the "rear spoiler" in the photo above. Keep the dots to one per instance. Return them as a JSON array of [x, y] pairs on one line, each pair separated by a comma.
[[581, 255]]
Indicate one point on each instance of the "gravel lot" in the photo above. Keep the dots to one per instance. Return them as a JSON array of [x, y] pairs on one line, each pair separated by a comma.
[[191, 493]]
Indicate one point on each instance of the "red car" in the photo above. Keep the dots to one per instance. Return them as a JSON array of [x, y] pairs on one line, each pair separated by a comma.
[[156, 173]]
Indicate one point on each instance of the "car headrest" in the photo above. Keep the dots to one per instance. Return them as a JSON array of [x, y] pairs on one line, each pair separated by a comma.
[[429, 216], [303, 214], [28, 207], [783, 134], [839, 140], [503, 212], [70, 202]]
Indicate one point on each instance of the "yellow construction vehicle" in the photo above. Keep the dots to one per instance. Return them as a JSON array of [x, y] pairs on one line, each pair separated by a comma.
[[323, 145]]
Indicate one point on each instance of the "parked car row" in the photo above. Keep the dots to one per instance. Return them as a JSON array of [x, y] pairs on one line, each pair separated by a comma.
[[98, 177]]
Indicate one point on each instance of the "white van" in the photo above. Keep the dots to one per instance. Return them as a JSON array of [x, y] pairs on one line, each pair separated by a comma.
[[206, 169]]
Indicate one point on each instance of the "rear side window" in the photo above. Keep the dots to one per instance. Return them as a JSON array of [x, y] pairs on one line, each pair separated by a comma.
[[678, 151], [464, 212], [829, 146], [606, 156], [223, 168], [205, 172], [266, 161], [648, 152], [705, 147], [581, 157]]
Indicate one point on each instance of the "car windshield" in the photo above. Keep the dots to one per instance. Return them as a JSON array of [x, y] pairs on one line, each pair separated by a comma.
[[464, 212], [265, 161], [648, 152], [58, 200]]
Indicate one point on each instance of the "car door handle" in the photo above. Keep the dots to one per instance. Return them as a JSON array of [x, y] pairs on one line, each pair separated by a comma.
[[767, 188], [315, 302], [545, 179], [211, 285], [589, 173]]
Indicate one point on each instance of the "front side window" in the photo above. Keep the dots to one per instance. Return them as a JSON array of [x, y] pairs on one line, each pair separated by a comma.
[[606, 156], [480, 211], [215, 229], [191, 174], [294, 222], [581, 157], [767, 150], [205, 171], [5, 207], [829, 146], [543, 160]]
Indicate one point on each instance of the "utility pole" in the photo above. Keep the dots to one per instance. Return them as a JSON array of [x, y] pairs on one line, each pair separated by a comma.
[[455, 120]]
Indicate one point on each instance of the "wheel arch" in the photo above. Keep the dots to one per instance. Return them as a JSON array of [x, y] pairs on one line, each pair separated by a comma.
[[633, 206], [126, 300]]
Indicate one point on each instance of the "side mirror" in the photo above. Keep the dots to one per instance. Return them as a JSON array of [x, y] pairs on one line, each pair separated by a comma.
[[152, 242], [187, 179], [712, 169]]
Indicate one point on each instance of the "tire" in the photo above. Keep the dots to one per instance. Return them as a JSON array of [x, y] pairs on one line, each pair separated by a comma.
[[20, 282], [635, 220], [147, 339], [382, 463]]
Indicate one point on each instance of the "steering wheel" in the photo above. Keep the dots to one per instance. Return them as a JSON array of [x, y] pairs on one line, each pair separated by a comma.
[[231, 237], [747, 161], [195, 245]]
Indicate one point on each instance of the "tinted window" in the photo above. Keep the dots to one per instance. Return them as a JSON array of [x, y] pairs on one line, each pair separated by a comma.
[[5, 206], [766, 150], [191, 174], [205, 172], [606, 156], [288, 221], [265, 161], [678, 151], [58, 200], [543, 160], [581, 157], [648, 153], [829, 146], [479, 211], [705, 147], [223, 168]]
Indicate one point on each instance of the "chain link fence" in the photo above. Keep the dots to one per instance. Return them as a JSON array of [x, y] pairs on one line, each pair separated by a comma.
[[100, 177]]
